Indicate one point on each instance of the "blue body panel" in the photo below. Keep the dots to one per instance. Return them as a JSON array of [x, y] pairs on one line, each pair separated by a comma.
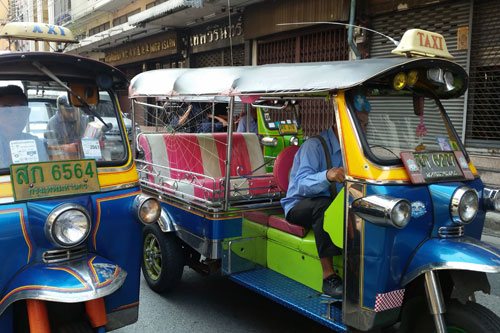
[[16, 241], [203, 224], [441, 197], [115, 239], [459, 253], [387, 249]]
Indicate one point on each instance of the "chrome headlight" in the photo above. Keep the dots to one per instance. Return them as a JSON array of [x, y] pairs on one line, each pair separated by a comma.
[[491, 199], [383, 210], [147, 209], [294, 141], [464, 205], [68, 225], [269, 141]]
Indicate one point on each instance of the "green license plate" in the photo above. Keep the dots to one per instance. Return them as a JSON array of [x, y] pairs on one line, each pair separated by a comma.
[[53, 179], [288, 129]]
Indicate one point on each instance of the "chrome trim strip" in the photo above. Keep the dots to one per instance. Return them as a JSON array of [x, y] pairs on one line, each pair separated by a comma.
[[119, 187], [449, 265], [165, 222], [376, 182], [61, 255], [67, 296], [450, 232], [210, 248]]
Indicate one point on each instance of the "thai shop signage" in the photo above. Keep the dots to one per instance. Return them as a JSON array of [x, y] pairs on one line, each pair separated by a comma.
[[217, 34], [147, 48]]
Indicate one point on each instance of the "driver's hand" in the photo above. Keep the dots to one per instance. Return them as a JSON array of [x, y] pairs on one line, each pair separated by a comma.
[[336, 175]]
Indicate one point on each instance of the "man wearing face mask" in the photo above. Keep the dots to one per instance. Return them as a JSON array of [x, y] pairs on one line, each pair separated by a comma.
[[17, 146], [67, 126]]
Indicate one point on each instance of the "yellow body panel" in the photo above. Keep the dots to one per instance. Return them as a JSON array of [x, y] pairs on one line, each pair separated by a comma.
[[356, 164]]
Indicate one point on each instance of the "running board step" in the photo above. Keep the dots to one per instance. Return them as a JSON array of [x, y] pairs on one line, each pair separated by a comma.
[[293, 295]]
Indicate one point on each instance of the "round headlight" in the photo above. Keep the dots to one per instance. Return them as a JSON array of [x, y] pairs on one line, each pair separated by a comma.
[[412, 77], [68, 225], [399, 81], [269, 141], [294, 141], [150, 211], [496, 201], [464, 205], [401, 213]]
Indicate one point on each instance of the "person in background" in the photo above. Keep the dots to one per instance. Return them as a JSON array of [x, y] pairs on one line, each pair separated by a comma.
[[219, 116], [189, 120], [67, 126], [244, 127], [14, 115]]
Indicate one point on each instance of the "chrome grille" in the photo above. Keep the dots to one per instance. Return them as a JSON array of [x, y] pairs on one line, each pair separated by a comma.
[[64, 254], [447, 232]]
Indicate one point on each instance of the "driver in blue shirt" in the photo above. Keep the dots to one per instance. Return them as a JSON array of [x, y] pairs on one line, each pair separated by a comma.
[[311, 190]]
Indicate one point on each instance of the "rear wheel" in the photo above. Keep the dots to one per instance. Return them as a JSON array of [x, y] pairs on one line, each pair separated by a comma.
[[162, 259], [459, 318]]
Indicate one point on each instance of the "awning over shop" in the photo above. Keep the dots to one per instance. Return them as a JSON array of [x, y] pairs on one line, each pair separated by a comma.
[[163, 9]]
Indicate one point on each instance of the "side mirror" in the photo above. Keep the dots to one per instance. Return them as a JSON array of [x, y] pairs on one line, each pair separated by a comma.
[[87, 92]]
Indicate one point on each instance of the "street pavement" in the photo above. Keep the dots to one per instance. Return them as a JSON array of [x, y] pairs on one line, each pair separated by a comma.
[[216, 304]]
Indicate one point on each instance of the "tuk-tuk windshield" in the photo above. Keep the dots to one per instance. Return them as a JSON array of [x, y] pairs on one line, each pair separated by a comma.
[[403, 122], [40, 124]]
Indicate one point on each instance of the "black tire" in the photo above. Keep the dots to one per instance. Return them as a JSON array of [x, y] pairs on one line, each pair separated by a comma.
[[162, 259], [469, 317]]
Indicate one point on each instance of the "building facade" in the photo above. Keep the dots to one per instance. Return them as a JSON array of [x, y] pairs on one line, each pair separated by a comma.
[[139, 35]]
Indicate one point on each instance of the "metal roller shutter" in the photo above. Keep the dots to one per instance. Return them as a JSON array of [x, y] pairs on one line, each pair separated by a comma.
[[445, 19], [328, 45], [483, 118]]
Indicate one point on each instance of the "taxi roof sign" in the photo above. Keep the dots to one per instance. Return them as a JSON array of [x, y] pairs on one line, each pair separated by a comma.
[[422, 43], [38, 32]]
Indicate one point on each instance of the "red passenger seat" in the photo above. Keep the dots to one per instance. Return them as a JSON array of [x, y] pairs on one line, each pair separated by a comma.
[[194, 163]]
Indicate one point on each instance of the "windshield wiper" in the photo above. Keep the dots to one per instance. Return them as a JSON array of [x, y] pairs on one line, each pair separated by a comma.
[[86, 108]]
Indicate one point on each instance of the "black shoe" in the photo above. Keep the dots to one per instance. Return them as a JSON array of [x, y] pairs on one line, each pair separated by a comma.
[[332, 286]]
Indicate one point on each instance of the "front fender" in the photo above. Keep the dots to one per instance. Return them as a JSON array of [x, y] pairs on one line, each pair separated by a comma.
[[74, 281], [463, 253]]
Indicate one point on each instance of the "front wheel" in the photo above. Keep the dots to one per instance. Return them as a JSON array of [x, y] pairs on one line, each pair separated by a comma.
[[162, 259], [459, 318]]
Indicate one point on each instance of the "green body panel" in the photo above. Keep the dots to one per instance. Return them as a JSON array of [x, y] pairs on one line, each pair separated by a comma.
[[251, 245], [294, 264], [297, 258], [334, 220], [287, 254]]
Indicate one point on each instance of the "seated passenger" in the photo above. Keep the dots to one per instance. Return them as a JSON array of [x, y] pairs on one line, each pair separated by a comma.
[[189, 120], [67, 126], [14, 115], [315, 180], [243, 126], [220, 120]]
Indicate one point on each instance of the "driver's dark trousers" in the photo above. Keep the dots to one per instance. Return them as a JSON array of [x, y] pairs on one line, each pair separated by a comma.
[[310, 213]]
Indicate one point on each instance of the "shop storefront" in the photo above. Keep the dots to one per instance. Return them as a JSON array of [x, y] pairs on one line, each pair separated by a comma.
[[273, 43], [219, 43], [165, 50], [470, 30]]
